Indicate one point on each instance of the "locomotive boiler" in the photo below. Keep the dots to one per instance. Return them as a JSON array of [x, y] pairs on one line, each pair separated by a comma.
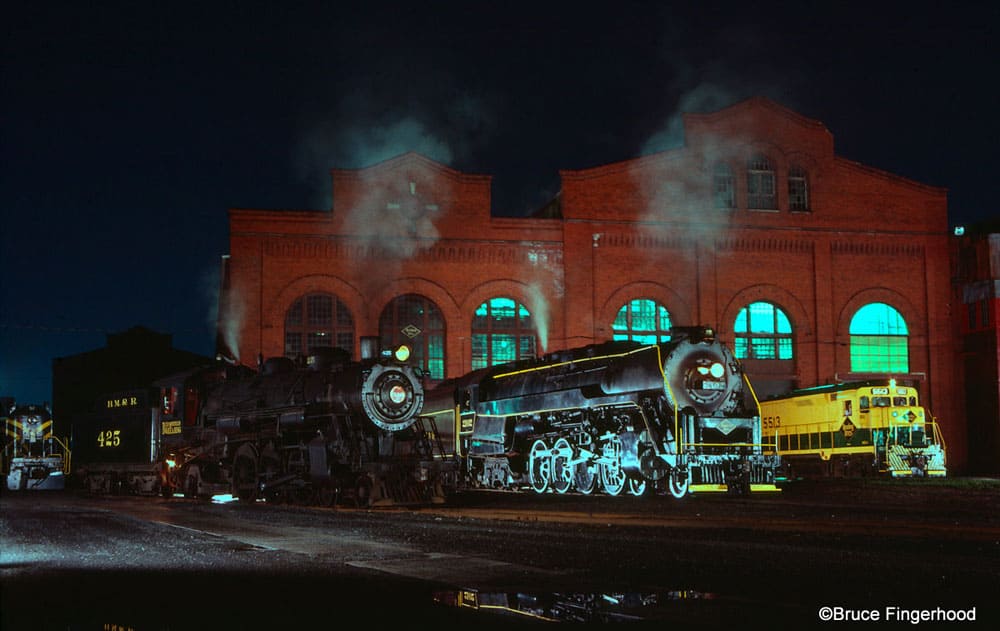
[[316, 430], [618, 417]]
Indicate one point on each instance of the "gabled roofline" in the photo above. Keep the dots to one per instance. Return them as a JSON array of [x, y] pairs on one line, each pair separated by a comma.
[[750, 103], [404, 159]]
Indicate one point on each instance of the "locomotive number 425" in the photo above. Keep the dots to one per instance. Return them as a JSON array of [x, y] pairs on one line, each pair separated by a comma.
[[109, 438]]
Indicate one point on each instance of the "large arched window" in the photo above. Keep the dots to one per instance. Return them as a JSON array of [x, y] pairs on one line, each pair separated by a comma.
[[318, 320], [762, 331], [879, 340], [417, 322], [502, 331], [642, 320], [760, 183]]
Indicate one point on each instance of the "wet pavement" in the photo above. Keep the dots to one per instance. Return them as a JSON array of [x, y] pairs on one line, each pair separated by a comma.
[[69, 561]]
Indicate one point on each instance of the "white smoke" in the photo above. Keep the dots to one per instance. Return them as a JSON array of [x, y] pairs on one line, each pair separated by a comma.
[[550, 282], [225, 310]]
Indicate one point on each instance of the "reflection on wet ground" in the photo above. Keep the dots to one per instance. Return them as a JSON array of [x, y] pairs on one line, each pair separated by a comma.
[[573, 606]]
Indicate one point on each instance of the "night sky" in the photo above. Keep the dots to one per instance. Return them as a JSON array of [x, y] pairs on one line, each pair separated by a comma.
[[129, 130]]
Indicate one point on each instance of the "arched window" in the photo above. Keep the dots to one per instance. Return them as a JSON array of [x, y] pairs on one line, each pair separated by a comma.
[[798, 189], [417, 322], [762, 331], [760, 183], [318, 320], [502, 331], [723, 186], [642, 320], [879, 340]]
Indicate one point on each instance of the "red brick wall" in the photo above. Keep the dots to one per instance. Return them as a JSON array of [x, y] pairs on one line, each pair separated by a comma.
[[643, 228]]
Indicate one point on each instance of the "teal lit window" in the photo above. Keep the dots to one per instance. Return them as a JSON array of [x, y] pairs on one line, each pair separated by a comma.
[[762, 331], [502, 331], [642, 320], [879, 340], [318, 320], [417, 322]]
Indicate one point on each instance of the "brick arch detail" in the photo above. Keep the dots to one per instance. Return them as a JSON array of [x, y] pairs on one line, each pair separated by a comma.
[[273, 340], [914, 319], [524, 293], [802, 329], [508, 288], [915, 324], [677, 307], [318, 283], [424, 287]]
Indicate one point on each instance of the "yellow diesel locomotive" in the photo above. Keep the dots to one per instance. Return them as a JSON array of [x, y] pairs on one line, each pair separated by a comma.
[[854, 429]]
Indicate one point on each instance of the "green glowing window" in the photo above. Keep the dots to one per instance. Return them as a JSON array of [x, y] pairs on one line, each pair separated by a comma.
[[879, 340], [416, 321], [317, 320], [762, 331], [502, 331], [642, 320]]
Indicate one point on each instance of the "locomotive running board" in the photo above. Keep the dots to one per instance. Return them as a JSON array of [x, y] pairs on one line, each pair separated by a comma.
[[722, 488]]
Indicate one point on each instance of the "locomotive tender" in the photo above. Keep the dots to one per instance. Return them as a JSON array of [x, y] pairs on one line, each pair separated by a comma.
[[613, 417], [315, 430], [854, 429]]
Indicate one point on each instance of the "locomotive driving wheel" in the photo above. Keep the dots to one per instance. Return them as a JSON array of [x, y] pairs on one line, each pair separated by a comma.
[[539, 466], [637, 487], [678, 482], [561, 473], [613, 476], [585, 478]]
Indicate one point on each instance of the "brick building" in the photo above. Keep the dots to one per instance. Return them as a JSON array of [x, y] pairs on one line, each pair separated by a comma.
[[814, 267], [977, 285]]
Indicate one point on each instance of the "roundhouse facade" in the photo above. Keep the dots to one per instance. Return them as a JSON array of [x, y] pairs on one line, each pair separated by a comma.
[[813, 267]]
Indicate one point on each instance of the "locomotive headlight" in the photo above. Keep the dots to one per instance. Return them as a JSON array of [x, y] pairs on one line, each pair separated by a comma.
[[397, 394], [403, 353], [717, 370]]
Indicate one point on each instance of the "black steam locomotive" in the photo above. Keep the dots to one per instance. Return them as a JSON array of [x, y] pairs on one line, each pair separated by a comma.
[[316, 430], [617, 417]]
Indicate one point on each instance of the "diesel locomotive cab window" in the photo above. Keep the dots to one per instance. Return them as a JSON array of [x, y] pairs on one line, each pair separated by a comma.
[[318, 320], [762, 331], [879, 340], [502, 331], [760, 184], [417, 322], [642, 320]]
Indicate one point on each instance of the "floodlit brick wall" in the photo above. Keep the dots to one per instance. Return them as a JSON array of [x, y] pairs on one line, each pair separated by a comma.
[[642, 228]]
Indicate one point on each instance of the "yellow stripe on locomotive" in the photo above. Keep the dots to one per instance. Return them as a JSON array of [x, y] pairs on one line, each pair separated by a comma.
[[855, 429]]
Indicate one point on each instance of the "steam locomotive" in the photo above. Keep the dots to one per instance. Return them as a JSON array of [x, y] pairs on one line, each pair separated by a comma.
[[617, 417], [317, 430]]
